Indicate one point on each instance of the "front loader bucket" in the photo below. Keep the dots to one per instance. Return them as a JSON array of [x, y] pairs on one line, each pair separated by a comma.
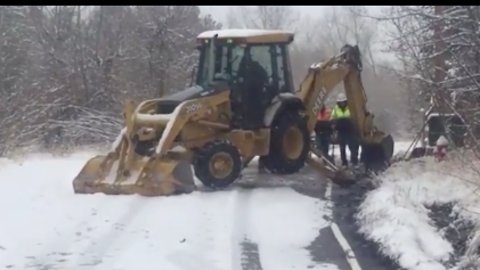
[[149, 177]]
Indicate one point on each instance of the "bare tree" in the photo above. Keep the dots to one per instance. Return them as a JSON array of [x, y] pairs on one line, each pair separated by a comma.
[[342, 25], [65, 71], [439, 51]]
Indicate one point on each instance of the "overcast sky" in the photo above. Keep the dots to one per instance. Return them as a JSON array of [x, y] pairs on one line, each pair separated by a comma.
[[220, 12]]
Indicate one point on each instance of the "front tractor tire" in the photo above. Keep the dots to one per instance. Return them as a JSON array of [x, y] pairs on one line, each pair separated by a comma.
[[217, 164], [289, 144]]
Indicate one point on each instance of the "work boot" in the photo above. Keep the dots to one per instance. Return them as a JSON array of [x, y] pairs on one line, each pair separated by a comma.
[[358, 168], [261, 166], [354, 161]]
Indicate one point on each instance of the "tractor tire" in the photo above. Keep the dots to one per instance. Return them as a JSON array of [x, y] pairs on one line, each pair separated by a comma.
[[217, 164], [289, 144]]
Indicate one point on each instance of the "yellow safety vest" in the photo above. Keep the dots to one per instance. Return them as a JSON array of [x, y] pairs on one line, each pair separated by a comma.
[[339, 113]]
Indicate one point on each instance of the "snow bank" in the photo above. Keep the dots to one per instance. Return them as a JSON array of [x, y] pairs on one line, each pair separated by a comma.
[[46, 226], [395, 215]]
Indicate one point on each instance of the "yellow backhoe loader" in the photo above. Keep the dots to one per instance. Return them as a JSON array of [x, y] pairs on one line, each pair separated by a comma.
[[243, 105]]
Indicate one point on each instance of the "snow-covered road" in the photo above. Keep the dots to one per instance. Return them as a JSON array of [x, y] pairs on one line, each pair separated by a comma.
[[45, 226]]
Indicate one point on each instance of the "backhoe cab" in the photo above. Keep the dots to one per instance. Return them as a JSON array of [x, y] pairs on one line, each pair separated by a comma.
[[243, 105], [253, 65]]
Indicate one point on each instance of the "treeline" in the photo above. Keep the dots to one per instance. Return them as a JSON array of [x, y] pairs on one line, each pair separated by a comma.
[[439, 47], [65, 71]]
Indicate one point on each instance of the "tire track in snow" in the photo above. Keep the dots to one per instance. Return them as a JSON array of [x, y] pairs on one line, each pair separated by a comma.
[[99, 246], [242, 204], [47, 257], [347, 249], [62, 229], [251, 256], [218, 231], [206, 234]]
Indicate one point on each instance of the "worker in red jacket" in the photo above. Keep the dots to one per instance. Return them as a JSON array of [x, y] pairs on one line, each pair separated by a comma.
[[324, 131]]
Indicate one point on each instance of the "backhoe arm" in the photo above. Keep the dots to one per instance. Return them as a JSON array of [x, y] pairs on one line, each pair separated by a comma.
[[322, 79], [377, 147]]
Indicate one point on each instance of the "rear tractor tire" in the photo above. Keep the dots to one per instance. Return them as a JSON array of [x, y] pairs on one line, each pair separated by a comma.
[[289, 144], [217, 164]]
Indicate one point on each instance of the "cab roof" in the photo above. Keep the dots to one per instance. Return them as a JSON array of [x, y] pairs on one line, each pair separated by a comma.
[[249, 35]]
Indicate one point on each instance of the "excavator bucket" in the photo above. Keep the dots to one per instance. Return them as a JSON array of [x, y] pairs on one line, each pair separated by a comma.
[[149, 177], [377, 156]]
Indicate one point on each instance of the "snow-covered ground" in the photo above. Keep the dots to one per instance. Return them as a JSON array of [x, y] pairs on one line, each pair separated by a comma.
[[396, 214], [45, 226]]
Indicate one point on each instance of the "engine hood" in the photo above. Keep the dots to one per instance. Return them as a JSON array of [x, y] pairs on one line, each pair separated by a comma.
[[187, 94], [168, 103]]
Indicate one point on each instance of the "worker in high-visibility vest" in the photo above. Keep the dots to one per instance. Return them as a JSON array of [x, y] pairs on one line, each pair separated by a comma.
[[324, 131], [345, 130]]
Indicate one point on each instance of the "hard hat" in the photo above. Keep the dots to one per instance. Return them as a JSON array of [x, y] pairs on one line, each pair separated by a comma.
[[341, 97], [442, 141]]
